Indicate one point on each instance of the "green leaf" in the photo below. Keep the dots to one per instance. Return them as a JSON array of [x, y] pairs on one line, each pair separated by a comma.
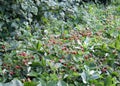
[[42, 83], [38, 45], [61, 83], [29, 84], [108, 81], [14, 24], [86, 42], [1, 24], [14, 82], [84, 77], [1, 84], [34, 10], [17, 82], [117, 44], [35, 64], [32, 74], [52, 83], [95, 76], [1, 63], [24, 6]]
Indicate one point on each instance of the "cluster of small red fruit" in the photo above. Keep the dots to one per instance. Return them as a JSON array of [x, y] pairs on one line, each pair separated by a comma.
[[16, 68]]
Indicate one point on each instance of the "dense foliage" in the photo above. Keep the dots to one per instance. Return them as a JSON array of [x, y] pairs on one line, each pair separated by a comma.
[[60, 42]]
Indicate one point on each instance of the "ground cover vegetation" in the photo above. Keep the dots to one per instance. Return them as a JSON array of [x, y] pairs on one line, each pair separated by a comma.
[[59, 42]]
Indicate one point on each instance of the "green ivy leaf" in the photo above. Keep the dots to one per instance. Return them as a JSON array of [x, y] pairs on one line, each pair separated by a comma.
[[84, 77], [35, 64], [61, 83], [34, 10], [42, 83], [52, 83], [32, 74], [14, 82]]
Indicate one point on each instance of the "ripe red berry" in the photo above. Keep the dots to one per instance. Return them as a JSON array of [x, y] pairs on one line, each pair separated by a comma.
[[64, 48], [25, 61], [89, 34], [90, 55], [54, 42], [61, 60], [72, 68], [23, 54], [3, 46], [74, 52], [32, 57], [4, 64], [64, 38], [65, 64], [17, 67], [11, 73], [83, 35], [104, 70]]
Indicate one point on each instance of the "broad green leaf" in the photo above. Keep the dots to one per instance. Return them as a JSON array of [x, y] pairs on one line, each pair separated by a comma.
[[61, 83], [108, 81], [84, 77], [35, 64], [32, 74], [95, 76], [1, 24], [38, 45], [87, 42], [42, 83], [24, 6], [34, 10], [117, 44], [14, 82], [29, 84], [1, 84], [52, 83], [14, 25], [1, 62]]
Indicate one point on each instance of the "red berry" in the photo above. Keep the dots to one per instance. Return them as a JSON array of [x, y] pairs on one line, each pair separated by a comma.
[[61, 60], [72, 68], [63, 57], [4, 64], [23, 54], [3, 46], [54, 42], [25, 61], [104, 70], [64, 48], [60, 43], [74, 52], [86, 57], [90, 55], [32, 57], [17, 67], [11, 73], [65, 64]]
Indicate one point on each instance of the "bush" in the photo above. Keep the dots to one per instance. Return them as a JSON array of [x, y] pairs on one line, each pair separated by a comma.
[[62, 43]]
